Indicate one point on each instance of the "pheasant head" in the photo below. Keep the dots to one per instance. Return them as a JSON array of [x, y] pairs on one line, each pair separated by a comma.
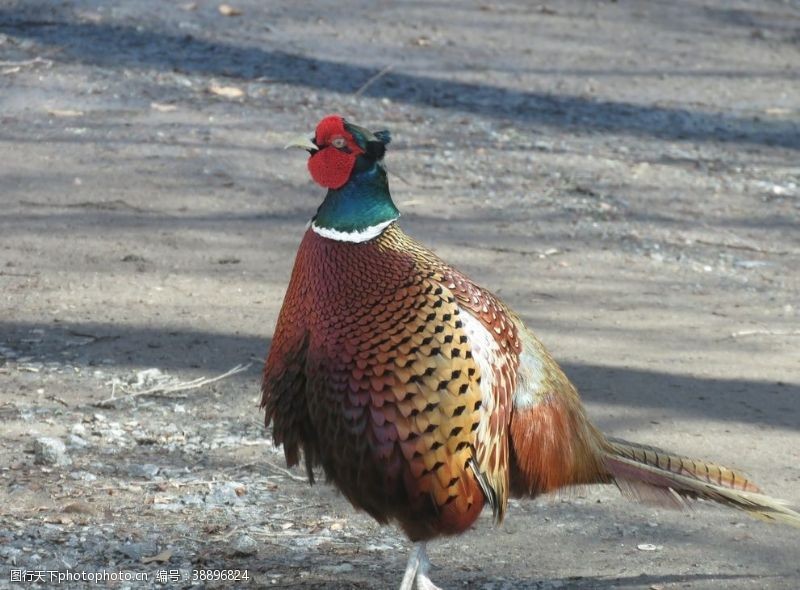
[[348, 161]]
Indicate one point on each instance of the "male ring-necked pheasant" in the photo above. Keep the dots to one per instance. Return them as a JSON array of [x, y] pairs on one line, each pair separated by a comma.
[[422, 395]]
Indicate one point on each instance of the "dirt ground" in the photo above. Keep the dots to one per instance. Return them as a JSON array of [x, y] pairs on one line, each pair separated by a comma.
[[624, 174]]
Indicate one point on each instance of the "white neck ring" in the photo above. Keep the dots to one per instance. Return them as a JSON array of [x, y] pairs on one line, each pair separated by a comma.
[[362, 235]]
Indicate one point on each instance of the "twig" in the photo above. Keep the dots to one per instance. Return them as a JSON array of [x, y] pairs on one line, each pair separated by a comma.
[[26, 62], [741, 247], [502, 249], [304, 507], [741, 333], [398, 176], [242, 466], [373, 79], [166, 389], [199, 482], [12, 67], [285, 472], [57, 399]]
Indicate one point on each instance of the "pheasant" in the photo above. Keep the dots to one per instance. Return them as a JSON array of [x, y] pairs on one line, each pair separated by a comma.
[[422, 396]]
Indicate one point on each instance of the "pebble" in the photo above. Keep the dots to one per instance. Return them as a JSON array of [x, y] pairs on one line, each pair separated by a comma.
[[171, 507], [649, 547], [49, 450], [136, 551], [192, 500], [146, 471], [751, 263], [243, 545], [76, 441], [83, 476], [379, 547], [148, 377], [341, 568], [230, 492], [7, 353]]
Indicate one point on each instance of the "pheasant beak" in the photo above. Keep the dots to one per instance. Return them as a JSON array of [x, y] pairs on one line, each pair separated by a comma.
[[303, 142]]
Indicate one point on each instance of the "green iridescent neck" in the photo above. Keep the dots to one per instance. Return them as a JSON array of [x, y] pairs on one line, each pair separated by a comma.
[[362, 203]]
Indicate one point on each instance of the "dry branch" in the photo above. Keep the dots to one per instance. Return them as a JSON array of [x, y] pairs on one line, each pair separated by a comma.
[[373, 79], [741, 333], [165, 389], [285, 472]]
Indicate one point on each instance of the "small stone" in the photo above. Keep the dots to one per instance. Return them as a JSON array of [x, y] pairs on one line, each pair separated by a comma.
[[48, 450], [243, 545], [191, 500], [379, 547], [341, 568], [136, 551], [171, 507], [83, 476], [76, 441], [228, 10], [146, 471], [228, 493], [649, 547], [748, 264]]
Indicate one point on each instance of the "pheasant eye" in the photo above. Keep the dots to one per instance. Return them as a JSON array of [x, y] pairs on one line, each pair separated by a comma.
[[339, 142]]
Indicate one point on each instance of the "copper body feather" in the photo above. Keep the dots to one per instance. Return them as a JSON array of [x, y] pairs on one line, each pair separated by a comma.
[[423, 397], [371, 374]]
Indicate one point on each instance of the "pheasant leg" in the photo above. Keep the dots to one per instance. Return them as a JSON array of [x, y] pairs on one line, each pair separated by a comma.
[[417, 570]]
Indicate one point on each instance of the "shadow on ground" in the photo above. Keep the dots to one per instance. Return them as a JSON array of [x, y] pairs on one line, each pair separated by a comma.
[[123, 46], [122, 347]]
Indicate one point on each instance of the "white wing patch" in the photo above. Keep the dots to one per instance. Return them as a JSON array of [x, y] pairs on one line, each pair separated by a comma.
[[486, 352], [530, 374]]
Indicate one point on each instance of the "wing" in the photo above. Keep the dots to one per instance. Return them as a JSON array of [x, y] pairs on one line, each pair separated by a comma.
[[394, 394], [494, 346], [493, 339], [533, 436]]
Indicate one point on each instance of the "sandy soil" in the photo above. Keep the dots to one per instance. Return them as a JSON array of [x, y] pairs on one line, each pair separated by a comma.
[[625, 174]]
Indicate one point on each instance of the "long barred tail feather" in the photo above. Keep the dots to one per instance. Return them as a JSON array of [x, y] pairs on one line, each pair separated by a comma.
[[652, 475], [666, 461]]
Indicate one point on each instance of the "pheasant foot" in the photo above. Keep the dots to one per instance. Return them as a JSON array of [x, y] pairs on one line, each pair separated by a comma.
[[417, 570]]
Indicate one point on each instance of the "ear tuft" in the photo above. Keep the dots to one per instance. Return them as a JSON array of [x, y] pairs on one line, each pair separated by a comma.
[[376, 150], [385, 137]]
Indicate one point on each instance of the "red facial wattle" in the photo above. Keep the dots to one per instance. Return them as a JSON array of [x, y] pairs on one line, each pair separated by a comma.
[[330, 166]]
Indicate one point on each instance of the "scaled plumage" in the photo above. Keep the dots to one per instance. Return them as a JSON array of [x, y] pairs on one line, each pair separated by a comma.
[[422, 395]]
